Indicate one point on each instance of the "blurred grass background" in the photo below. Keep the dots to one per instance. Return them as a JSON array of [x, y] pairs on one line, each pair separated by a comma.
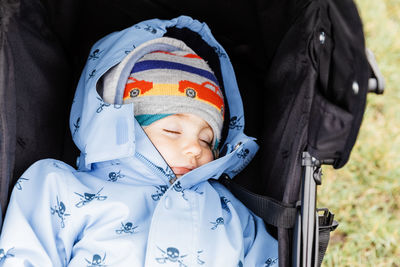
[[365, 194]]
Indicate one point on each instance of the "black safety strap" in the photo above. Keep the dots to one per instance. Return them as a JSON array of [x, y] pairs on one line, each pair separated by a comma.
[[280, 214], [273, 212], [326, 226]]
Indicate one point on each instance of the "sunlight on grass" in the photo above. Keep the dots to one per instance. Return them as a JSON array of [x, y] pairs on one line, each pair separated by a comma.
[[365, 194]]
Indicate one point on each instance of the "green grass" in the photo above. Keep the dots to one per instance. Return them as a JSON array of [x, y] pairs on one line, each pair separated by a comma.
[[365, 194]]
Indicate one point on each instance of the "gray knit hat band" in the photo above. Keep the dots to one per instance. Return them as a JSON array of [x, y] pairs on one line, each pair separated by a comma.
[[170, 75]]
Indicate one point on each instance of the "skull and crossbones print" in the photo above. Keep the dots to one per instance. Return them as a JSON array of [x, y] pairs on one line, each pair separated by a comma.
[[96, 261], [59, 209], [234, 123], [199, 261], [161, 189], [224, 204], [269, 262], [89, 197], [95, 54], [171, 255], [18, 184], [178, 188], [243, 153], [4, 255], [114, 176], [218, 221], [126, 228]]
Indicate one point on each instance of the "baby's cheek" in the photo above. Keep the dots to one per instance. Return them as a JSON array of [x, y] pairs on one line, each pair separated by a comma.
[[207, 157], [167, 154]]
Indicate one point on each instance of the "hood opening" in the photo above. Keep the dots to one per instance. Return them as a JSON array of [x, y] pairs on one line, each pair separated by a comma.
[[204, 50]]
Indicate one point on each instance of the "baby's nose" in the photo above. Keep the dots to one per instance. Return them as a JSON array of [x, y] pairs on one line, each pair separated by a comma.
[[193, 148]]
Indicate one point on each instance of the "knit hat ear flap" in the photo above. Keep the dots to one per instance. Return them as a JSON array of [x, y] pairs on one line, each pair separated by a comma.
[[171, 81]]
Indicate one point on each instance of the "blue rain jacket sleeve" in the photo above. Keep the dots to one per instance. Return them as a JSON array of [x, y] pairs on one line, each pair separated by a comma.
[[38, 209]]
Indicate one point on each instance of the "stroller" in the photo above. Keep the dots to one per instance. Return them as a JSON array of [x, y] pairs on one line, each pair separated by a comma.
[[301, 66]]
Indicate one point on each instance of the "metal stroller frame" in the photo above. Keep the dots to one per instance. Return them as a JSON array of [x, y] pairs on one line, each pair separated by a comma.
[[307, 237]]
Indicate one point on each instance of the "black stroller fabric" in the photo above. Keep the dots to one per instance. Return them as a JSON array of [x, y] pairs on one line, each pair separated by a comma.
[[300, 65], [317, 84]]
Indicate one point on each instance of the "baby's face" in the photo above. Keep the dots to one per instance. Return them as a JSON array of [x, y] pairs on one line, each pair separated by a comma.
[[184, 141]]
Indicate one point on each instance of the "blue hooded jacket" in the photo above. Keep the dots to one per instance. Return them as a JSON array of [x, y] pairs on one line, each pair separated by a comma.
[[118, 208]]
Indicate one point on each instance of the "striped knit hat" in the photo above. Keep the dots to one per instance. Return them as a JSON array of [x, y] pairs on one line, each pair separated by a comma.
[[162, 83]]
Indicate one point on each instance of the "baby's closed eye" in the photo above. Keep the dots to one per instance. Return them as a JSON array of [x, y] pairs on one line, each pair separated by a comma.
[[206, 139], [205, 142], [171, 131]]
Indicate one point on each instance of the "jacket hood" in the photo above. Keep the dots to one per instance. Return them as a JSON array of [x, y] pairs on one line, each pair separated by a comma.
[[106, 132]]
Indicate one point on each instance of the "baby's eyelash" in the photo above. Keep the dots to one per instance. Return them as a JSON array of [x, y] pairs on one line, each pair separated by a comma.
[[170, 131], [207, 142]]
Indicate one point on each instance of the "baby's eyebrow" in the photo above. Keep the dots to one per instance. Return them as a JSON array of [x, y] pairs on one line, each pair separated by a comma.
[[203, 126], [181, 116]]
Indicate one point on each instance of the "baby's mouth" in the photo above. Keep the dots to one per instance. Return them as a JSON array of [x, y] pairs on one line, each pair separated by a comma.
[[179, 171]]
